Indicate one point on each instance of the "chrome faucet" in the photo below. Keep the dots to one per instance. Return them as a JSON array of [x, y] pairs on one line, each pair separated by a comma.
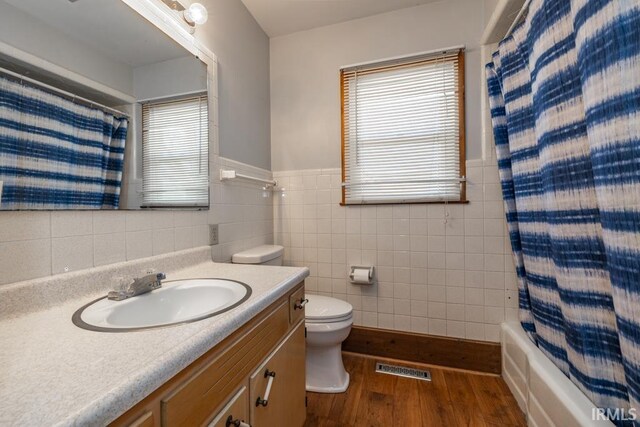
[[139, 286]]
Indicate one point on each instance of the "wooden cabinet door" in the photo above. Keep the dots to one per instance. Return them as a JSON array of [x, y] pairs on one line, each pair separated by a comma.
[[285, 367], [145, 420], [194, 401], [236, 410], [297, 302]]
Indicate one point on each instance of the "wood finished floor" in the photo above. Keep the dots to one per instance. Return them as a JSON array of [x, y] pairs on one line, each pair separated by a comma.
[[453, 398]]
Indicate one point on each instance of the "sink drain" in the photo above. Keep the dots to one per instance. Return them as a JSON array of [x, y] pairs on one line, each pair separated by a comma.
[[403, 371]]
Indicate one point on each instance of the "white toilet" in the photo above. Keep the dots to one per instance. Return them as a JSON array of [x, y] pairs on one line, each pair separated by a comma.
[[328, 322], [264, 255]]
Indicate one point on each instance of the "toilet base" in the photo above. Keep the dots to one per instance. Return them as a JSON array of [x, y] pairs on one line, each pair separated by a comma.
[[325, 370], [330, 390]]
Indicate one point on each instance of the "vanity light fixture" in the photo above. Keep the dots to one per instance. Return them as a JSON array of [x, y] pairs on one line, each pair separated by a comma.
[[195, 14]]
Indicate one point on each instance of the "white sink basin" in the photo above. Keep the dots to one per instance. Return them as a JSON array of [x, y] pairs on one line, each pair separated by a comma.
[[176, 302]]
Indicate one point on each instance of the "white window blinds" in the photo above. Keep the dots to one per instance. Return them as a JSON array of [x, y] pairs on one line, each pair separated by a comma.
[[175, 153], [403, 130]]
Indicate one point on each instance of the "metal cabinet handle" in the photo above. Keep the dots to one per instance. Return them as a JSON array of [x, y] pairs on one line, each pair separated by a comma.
[[236, 423], [264, 402], [300, 305]]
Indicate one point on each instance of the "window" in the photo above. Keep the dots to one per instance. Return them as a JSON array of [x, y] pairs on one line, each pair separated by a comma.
[[175, 153], [403, 130]]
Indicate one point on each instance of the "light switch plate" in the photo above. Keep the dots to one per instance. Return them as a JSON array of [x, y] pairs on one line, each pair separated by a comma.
[[213, 234]]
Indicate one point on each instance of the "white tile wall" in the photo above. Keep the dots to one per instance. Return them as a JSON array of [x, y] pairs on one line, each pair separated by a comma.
[[37, 244], [243, 210], [441, 269]]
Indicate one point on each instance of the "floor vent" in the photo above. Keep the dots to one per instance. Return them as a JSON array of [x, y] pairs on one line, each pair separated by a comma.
[[403, 371]]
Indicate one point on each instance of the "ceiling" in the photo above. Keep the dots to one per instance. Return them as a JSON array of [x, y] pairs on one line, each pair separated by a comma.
[[108, 26], [280, 17]]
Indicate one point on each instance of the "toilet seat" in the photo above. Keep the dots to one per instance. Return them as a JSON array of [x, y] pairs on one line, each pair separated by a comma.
[[346, 318], [329, 326], [321, 309]]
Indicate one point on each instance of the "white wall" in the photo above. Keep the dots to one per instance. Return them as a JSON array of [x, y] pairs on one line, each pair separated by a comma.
[[165, 79], [489, 7], [242, 49], [441, 269], [50, 44], [243, 211], [305, 102]]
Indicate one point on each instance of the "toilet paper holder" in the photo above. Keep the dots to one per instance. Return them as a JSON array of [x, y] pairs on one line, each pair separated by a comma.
[[363, 279]]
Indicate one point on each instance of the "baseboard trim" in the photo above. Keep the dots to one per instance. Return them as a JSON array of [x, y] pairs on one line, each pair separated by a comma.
[[456, 353]]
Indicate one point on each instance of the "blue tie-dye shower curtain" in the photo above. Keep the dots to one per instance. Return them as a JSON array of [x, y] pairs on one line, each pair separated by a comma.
[[57, 154], [565, 103]]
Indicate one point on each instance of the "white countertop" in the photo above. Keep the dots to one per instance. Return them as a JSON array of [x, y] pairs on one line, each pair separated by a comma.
[[54, 373]]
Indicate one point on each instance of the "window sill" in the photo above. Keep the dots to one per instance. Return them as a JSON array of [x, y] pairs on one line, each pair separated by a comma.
[[438, 202]]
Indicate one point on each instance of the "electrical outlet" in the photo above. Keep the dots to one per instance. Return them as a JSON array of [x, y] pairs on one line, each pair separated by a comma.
[[213, 234]]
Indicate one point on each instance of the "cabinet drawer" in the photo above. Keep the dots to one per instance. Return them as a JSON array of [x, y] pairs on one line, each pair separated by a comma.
[[296, 306], [145, 420], [283, 402], [194, 402], [236, 409]]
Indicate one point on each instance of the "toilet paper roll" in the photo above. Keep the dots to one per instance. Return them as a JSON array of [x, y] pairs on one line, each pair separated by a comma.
[[361, 276]]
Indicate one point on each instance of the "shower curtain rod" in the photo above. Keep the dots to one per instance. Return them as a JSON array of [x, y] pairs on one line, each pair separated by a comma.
[[518, 17], [64, 93]]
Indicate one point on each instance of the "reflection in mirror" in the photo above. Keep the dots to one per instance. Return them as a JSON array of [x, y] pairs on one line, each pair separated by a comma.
[[99, 109]]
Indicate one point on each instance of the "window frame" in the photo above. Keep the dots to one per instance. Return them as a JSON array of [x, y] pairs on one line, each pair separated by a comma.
[[404, 62]]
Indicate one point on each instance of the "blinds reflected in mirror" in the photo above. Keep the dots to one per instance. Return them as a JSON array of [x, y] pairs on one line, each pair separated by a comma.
[[403, 130], [175, 153]]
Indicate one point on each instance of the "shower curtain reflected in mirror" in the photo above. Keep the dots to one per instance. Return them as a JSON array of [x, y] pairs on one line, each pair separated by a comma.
[[565, 103], [57, 154]]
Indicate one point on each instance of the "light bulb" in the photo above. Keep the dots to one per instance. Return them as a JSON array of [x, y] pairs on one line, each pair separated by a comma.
[[196, 14]]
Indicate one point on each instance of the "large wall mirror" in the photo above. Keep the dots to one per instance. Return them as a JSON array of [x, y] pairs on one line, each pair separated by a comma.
[[99, 109]]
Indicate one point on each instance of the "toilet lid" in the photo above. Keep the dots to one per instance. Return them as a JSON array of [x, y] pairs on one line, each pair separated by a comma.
[[321, 308], [258, 255]]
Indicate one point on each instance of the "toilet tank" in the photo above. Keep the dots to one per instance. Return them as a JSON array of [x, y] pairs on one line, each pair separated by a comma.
[[264, 255]]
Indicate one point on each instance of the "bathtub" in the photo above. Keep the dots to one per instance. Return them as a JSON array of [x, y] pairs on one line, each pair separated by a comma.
[[546, 396]]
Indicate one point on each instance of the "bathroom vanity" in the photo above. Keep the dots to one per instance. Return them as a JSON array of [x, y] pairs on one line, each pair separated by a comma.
[[198, 373], [255, 376]]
